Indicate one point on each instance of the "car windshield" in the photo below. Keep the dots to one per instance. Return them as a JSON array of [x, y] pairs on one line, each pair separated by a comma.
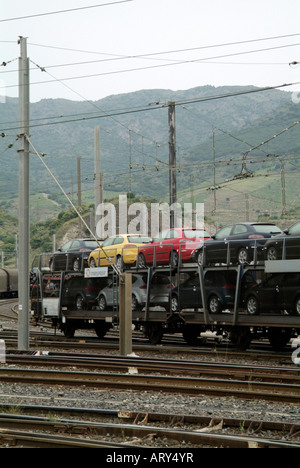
[[266, 229], [195, 233], [139, 240]]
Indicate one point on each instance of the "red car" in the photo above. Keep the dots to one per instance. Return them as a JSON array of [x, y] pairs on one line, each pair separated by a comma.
[[167, 247]]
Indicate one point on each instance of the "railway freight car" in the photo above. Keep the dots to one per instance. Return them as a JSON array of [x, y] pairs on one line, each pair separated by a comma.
[[207, 299], [8, 283]]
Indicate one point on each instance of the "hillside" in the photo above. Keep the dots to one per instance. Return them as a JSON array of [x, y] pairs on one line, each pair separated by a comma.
[[254, 115]]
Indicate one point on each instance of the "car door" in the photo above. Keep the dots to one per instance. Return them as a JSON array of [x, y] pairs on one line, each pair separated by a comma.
[[72, 254], [238, 240], [291, 290], [168, 244], [271, 294], [60, 260], [190, 295], [117, 247], [217, 247], [293, 242], [105, 252], [157, 248]]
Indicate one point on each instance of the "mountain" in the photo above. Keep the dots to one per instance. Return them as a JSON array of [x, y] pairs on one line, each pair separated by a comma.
[[63, 130]]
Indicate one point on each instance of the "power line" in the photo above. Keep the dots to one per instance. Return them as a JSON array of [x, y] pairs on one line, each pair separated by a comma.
[[64, 11], [162, 106], [190, 49], [170, 62]]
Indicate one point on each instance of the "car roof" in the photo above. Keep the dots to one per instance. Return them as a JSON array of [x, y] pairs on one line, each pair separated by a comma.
[[247, 223]]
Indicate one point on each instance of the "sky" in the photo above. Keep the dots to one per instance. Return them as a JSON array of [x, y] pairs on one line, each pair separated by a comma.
[[148, 44]]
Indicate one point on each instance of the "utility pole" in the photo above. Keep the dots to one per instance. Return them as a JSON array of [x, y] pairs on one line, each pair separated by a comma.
[[79, 192], [130, 162], [283, 188], [24, 239], [98, 175], [172, 160], [214, 169]]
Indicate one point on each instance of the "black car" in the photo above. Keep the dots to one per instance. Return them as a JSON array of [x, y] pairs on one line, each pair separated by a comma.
[[81, 293], [73, 256], [220, 287], [274, 249], [280, 292], [236, 244]]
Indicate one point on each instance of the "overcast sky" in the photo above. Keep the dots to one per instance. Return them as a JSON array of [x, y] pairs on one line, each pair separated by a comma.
[[156, 31]]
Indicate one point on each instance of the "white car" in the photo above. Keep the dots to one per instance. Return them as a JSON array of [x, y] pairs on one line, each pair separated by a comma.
[[160, 293]]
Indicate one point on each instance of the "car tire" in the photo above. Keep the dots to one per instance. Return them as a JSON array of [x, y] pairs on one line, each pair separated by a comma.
[[93, 263], [297, 307], [76, 265], [214, 306], [272, 254], [135, 305], [174, 259], [200, 258], [102, 303], [252, 306], [119, 262], [141, 261], [79, 303], [243, 256]]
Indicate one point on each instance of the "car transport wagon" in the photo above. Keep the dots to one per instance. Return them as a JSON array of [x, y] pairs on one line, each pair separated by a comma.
[[235, 302]]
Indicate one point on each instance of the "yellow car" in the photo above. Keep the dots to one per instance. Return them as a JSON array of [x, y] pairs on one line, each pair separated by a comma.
[[117, 249]]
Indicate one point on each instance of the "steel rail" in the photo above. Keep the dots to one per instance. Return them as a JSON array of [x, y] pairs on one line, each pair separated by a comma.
[[142, 432], [213, 387], [244, 372]]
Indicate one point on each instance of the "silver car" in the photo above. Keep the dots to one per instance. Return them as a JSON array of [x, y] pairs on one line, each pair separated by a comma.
[[160, 293]]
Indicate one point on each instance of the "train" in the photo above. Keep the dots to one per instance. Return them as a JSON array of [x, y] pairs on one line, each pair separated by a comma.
[[8, 283], [187, 299]]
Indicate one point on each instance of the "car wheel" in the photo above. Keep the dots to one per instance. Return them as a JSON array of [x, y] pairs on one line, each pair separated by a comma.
[[51, 265], [69, 329], [252, 306], [119, 262], [214, 305], [93, 263], [297, 306], [76, 265], [200, 258], [79, 303], [141, 261], [272, 254], [174, 259], [243, 256], [102, 303], [135, 304], [154, 332]]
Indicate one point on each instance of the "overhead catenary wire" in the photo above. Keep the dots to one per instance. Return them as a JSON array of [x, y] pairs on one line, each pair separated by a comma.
[[69, 10], [158, 106], [115, 268]]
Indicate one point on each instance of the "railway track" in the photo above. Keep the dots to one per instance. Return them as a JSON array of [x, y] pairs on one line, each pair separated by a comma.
[[230, 386], [49, 341], [138, 430], [288, 375]]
